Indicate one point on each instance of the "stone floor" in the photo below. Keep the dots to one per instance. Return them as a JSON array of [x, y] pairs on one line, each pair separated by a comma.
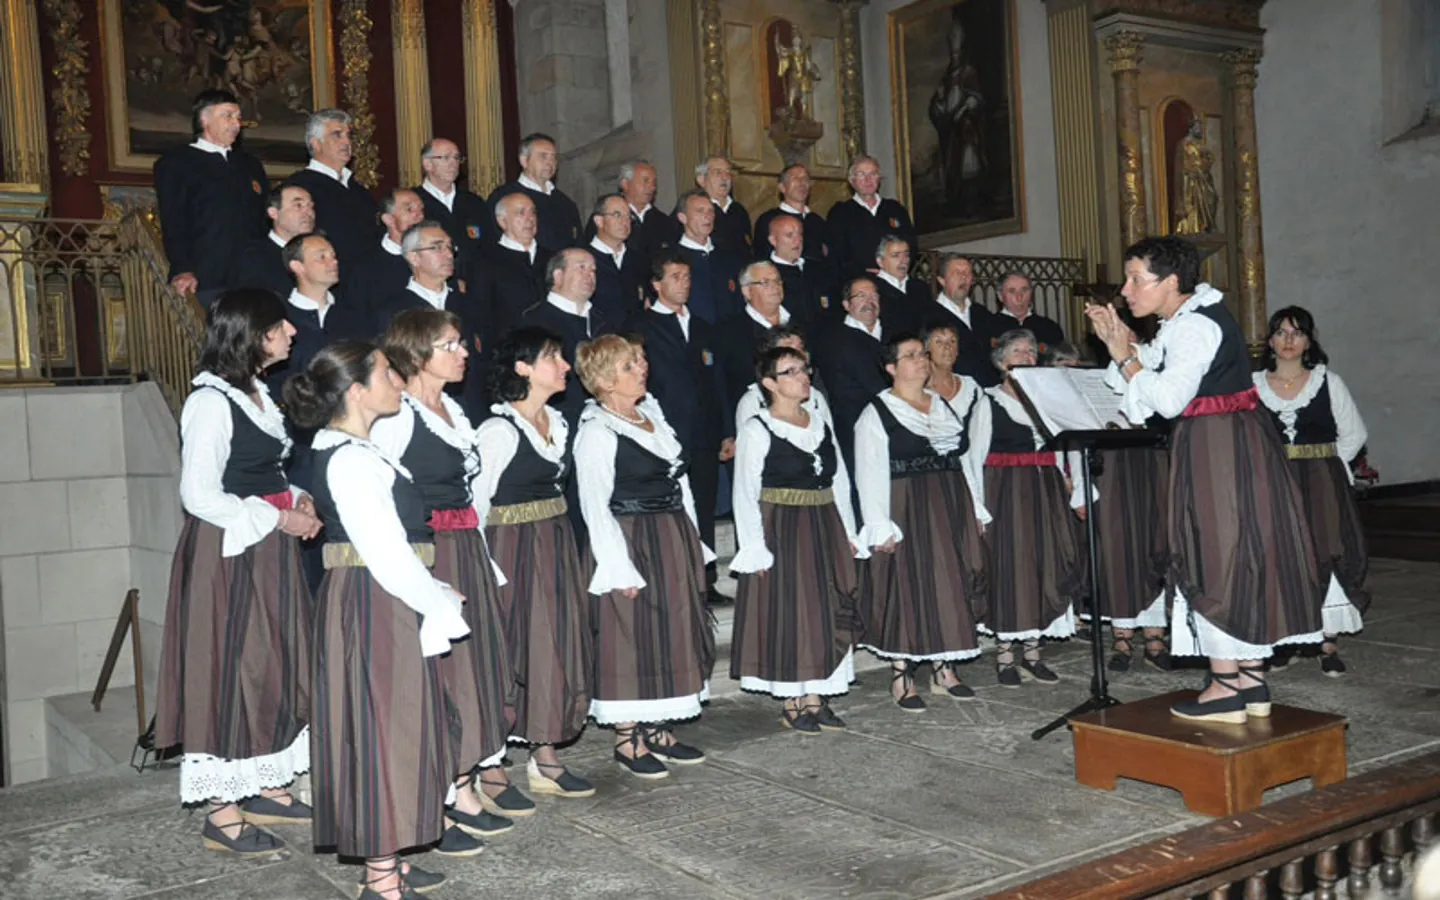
[[952, 803]]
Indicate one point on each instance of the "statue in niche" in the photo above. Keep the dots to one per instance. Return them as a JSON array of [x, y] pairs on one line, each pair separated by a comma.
[[1195, 183], [798, 71]]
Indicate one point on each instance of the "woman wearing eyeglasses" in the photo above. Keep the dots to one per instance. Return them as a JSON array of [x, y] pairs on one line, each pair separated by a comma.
[[1322, 432], [433, 440], [795, 610], [921, 500]]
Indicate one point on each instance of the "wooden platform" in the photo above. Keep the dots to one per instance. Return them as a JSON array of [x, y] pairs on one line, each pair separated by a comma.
[[1219, 769]]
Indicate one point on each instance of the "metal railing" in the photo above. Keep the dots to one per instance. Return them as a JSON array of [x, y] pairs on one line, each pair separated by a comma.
[[1054, 278], [86, 302]]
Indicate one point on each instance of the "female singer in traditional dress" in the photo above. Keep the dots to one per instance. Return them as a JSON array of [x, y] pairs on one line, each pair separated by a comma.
[[1036, 568], [520, 497], [1322, 432], [753, 400], [795, 616], [381, 740], [1242, 565], [942, 342], [433, 440], [921, 500], [234, 663], [654, 642]]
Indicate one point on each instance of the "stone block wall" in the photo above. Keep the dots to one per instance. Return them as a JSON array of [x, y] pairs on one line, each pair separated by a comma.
[[89, 508]]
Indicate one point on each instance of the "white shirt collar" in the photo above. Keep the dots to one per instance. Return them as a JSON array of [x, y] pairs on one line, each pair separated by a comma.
[[640, 213], [601, 246], [566, 305], [527, 182], [798, 263], [277, 239], [962, 314], [434, 298], [802, 213], [510, 243], [1005, 311], [683, 316], [342, 176], [858, 325], [432, 190], [390, 246], [894, 282], [752, 313], [724, 207], [707, 247], [872, 210], [208, 147], [300, 301]]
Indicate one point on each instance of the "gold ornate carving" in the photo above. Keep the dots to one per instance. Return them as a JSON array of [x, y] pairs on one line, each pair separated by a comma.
[[1244, 66], [1132, 195], [1249, 183], [1124, 51], [71, 101], [717, 100], [1247, 193], [355, 26], [412, 87], [482, 96], [23, 133], [852, 88]]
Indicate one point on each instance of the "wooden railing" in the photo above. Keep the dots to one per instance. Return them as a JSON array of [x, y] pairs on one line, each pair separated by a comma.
[[1054, 279], [86, 302], [1356, 833]]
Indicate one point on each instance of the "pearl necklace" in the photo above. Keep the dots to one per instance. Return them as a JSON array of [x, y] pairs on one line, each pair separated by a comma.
[[639, 420]]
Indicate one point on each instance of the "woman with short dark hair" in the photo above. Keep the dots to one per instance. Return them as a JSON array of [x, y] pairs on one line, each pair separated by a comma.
[[234, 683], [1322, 432]]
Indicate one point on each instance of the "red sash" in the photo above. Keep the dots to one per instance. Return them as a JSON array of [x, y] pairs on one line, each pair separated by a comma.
[[1016, 460], [1225, 403], [282, 500], [455, 519]]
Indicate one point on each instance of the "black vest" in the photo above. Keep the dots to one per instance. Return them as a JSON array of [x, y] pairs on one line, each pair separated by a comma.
[[529, 476], [409, 502], [643, 481], [437, 467], [256, 467], [787, 466], [1008, 435], [1229, 371], [1314, 422], [911, 454]]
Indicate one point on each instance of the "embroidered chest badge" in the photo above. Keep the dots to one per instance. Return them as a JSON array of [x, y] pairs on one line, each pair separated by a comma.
[[894, 222], [732, 285], [824, 301], [707, 357], [255, 185], [472, 232]]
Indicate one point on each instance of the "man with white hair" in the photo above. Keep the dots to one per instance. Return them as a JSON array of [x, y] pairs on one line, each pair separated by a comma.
[[738, 337], [716, 177], [858, 224], [429, 257], [464, 214], [557, 215], [509, 278], [651, 228], [851, 358], [344, 209]]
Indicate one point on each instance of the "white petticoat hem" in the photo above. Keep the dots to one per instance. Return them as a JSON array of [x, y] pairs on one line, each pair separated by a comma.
[[666, 709], [1209, 641], [1062, 627], [946, 656], [204, 777], [1339, 615], [838, 682]]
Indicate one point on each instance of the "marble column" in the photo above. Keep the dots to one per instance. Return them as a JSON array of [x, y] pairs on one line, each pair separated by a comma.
[[1124, 57], [1247, 194]]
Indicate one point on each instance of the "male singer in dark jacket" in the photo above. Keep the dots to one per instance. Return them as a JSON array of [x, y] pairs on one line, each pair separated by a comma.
[[344, 209], [558, 216], [260, 265], [464, 215]]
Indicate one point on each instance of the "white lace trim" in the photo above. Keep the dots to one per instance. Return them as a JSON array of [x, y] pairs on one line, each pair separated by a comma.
[[459, 435], [1289, 410], [327, 438], [1017, 413], [559, 431], [838, 682], [661, 442], [940, 426], [1208, 640], [267, 416], [204, 777]]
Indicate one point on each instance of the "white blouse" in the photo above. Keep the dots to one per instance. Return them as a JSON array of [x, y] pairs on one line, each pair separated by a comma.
[[1186, 343], [941, 426], [1067, 463], [206, 429], [392, 434], [752, 445], [361, 479], [1350, 428], [497, 442], [595, 447], [753, 401]]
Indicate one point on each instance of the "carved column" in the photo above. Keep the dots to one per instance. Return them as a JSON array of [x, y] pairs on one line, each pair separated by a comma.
[[717, 99], [22, 103], [483, 131], [852, 85], [69, 99], [1247, 194], [355, 28], [412, 86], [1124, 49]]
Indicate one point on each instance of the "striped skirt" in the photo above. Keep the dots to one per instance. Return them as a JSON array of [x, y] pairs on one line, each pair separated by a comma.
[[235, 656], [923, 600], [477, 669], [1334, 519], [1241, 553], [385, 733], [654, 652], [1130, 532], [546, 611], [795, 623], [1036, 571]]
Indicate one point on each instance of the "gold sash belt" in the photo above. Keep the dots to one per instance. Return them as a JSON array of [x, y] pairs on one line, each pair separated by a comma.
[[1310, 451], [520, 513], [797, 496], [345, 556]]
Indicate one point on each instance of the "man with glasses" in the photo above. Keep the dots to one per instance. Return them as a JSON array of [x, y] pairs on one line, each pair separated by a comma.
[[463, 214], [738, 337], [716, 177], [858, 224], [430, 256], [851, 359], [557, 215], [619, 276], [376, 279]]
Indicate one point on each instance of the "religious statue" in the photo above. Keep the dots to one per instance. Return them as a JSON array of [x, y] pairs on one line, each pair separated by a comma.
[[799, 72], [1196, 185]]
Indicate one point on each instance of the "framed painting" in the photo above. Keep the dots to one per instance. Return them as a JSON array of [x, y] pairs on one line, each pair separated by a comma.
[[274, 55], [957, 118]]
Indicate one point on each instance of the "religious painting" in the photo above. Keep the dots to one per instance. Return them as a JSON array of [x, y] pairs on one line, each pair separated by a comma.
[[273, 55], [957, 118]]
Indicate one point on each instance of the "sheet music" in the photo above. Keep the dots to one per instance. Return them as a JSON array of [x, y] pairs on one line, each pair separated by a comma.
[[1073, 399]]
